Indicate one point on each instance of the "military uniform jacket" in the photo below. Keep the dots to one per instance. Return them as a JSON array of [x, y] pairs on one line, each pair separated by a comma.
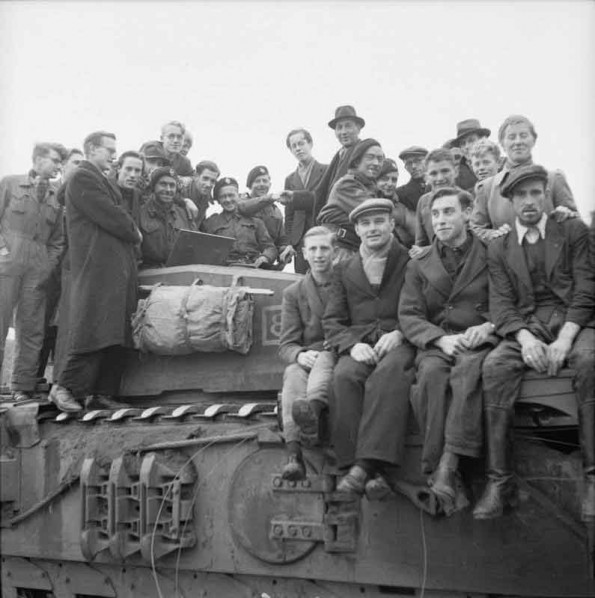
[[32, 231], [358, 313], [491, 210], [433, 304], [252, 238], [568, 270], [266, 211], [299, 214], [159, 225], [301, 319]]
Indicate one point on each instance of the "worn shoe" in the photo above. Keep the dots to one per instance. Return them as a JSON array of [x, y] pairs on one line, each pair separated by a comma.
[[93, 402], [20, 396], [377, 488], [354, 482], [294, 469], [307, 419], [499, 495], [63, 399]]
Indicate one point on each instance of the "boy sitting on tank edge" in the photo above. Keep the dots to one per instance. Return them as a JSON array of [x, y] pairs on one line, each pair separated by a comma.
[[307, 378]]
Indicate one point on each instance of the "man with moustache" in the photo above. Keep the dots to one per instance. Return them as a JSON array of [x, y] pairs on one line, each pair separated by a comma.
[[253, 245], [298, 196], [347, 126], [369, 406], [31, 245], [414, 159], [161, 218], [440, 171], [351, 190], [542, 301], [308, 375], [102, 237], [444, 312]]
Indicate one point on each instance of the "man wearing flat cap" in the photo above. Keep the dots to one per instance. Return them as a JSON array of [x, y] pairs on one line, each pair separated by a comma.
[[347, 126], [469, 131], [542, 301], [413, 157], [253, 244], [161, 218], [350, 191], [371, 383]]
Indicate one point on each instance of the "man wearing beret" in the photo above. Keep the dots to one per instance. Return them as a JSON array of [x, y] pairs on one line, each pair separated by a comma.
[[161, 218], [350, 191], [414, 159], [298, 196], [200, 189], [469, 131], [542, 301], [261, 204], [347, 126], [404, 217], [253, 245], [102, 237], [370, 403], [443, 311]]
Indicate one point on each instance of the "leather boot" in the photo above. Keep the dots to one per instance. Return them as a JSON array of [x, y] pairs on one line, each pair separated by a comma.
[[586, 420], [500, 491]]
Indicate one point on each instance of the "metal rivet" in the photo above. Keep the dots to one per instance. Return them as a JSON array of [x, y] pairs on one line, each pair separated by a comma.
[[292, 530], [306, 484], [277, 482], [306, 532], [277, 530]]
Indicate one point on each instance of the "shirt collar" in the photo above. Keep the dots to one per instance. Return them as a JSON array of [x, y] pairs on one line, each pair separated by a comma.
[[442, 247], [521, 229]]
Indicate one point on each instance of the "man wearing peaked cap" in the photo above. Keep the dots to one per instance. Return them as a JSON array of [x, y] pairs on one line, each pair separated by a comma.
[[370, 404], [469, 131], [409, 193], [347, 126], [253, 244], [542, 298]]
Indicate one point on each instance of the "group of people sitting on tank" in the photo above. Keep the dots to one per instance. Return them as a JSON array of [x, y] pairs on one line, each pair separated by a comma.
[[436, 295]]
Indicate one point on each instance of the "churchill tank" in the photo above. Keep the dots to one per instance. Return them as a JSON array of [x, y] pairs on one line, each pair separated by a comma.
[[180, 494]]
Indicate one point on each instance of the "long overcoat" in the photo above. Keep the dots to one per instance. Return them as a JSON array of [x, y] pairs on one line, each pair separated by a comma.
[[102, 238]]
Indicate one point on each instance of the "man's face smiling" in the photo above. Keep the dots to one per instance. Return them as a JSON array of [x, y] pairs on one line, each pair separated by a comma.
[[228, 198], [371, 162], [441, 174], [260, 185], [347, 132], [165, 189], [375, 229], [449, 220], [518, 143], [319, 252], [206, 180], [172, 138]]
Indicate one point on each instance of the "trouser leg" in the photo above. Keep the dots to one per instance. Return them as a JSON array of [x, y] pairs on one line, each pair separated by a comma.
[[50, 331], [321, 376], [80, 372], [29, 328], [300, 264], [430, 397], [464, 430], [346, 407], [295, 379], [383, 425], [9, 292], [109, 375], [503, 371], [582, 361]]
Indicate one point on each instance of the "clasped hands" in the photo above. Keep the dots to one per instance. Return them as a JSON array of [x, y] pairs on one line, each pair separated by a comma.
[[473, 337], [364, 353], [542, 357]]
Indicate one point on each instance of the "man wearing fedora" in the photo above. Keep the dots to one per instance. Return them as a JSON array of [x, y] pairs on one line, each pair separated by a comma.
[[347, 126], [413, 157], [542, 298], [469, 131]]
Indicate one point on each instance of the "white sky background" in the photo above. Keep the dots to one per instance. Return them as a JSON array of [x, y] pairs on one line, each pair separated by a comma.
[[240, 75]]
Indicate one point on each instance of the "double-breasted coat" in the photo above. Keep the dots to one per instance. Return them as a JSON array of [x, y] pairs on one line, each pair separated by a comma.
[[102, 238]]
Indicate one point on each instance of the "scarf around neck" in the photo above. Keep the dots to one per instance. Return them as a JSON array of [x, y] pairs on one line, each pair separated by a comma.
[[374, 262]]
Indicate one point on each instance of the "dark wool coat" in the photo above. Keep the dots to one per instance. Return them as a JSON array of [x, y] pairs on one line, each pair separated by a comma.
[[102, 238], [466, 178], [356, 312], [299, 214], [568, 269], [301, 319], [410, 192], [336, 169], [433, 304]]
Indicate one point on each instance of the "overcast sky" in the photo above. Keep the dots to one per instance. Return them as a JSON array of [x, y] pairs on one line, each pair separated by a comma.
[[240, 75]]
